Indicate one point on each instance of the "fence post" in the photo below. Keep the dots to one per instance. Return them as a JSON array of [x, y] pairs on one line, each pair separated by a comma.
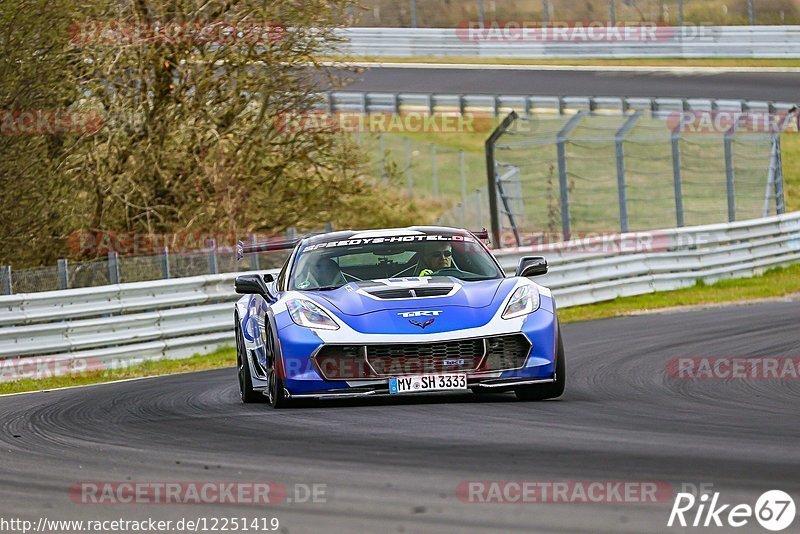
[[5, 280], [479, 204], [255, 262], [435, 171], [409, 176], [751, 13], [619, 139], [612, 12], [413, 13], [780, 206], [165, 263], [481, 12], [729, 183], [463, 176], [680, 16], [676, 175], [491, 175], [545, 10], [63, 274], [213, 268], [563, 182], [113, 267], [382, 148]]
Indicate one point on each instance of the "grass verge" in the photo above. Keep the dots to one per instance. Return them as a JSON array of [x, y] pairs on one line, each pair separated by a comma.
[[224, 357], [777, 282]]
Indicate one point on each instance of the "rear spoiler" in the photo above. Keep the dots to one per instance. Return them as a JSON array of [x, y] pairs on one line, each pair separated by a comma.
[[483, 235], [267, 246]]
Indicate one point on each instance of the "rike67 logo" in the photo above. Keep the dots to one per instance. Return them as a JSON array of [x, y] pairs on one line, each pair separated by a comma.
[[774, 510]]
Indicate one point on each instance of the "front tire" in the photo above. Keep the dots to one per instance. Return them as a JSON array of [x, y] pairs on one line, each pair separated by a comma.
[[246, 392], [275, 390], [547, 391]]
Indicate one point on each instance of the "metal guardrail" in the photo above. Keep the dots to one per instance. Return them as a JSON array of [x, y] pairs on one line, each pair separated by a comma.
[[382, 102], [681, 42], [122, 324]]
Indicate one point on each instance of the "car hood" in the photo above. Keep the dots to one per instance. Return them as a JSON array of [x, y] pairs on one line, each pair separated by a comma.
[[466, 305]]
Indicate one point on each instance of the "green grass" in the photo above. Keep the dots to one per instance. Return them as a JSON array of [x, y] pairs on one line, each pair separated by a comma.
[[776, 282], [224, 357], [790, 155]]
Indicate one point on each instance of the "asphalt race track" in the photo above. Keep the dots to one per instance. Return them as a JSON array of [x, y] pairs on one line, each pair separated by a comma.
[[779, 87], [394, 465]]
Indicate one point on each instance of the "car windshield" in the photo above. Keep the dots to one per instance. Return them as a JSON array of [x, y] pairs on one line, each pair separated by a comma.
[[381, 255]]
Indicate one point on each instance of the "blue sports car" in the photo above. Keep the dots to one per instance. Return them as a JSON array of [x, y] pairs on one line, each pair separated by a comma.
[[395, 312]]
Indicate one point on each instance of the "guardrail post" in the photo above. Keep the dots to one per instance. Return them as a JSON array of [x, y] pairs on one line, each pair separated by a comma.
[[164, 263], [5, 280], [213, 268], [563, 181], [676, 175], [63, 274], [409, 176], [113, 267], [255, 262], [331, 104], [491, 175], [363, 103], [396, 102], [619, 139], [729, 183]]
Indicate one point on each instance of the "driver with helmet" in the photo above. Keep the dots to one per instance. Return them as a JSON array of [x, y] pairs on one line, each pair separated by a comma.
[[435, 255]]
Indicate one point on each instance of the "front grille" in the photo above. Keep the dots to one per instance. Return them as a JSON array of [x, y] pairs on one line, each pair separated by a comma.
[[351, 362], [427, 358], [408, 293]]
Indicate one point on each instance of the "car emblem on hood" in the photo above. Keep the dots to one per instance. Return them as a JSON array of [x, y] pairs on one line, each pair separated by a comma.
[[421, 325]]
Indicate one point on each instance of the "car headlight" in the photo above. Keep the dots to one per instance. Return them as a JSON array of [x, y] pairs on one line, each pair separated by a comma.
[[306, 313], [525, 300]]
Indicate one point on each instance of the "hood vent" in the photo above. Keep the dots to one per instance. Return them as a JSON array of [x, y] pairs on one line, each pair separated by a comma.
[[411, 292]]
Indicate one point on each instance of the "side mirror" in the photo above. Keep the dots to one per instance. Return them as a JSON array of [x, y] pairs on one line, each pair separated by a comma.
[[531, 266], [253, 284]]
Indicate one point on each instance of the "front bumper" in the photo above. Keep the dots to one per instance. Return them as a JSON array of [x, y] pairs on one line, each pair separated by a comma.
[[302, 378], [478, 384]]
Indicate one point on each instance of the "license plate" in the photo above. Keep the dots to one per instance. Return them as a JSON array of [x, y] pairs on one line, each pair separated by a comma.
[[419, 384]]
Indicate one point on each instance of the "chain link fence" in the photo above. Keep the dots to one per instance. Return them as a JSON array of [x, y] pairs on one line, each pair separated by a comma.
[[569, 174]]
